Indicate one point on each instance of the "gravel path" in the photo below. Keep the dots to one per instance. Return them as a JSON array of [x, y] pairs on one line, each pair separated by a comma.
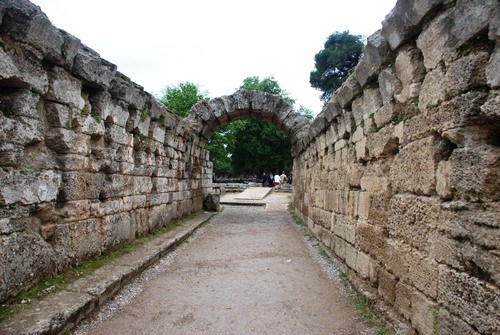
[[247, 272]]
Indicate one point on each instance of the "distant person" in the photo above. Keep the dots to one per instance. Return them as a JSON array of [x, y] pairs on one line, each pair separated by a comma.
[[263, 179], [283, 178], [277, 179], [270, 180]]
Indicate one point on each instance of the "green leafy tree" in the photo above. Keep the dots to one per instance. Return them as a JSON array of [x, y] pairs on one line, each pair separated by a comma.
[[334, 63], [180, 98], [221, 146], [306, 112], [258, 145]]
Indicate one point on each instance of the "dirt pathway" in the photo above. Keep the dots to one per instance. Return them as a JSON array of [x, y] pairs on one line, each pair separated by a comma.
[[248, 272]]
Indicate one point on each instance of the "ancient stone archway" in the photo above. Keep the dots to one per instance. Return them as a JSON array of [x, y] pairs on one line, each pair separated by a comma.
[[206, 117]]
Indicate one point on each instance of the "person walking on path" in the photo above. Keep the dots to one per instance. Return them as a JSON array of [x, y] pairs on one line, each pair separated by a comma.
[[283, 178], [277, 179]]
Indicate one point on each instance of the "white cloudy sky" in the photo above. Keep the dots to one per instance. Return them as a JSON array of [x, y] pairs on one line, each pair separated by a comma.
[[216, 43]]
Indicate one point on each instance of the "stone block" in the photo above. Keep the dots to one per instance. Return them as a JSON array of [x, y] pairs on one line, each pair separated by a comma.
[[423, 310], [453, 28], [408, 66], [472, 300], [385, 115], [403, 299], [414, 219], [466, 73], [361, 148], [414, 169], [347, 92], [382, 143], [388, 85], [433, 91], [443, 180], [404, 20], [492, 73], [448, 323], [80, 186], [364, 266], [387, 286], [89, 66], [422, 273], [366, 105], [376, 53], [475, 175], [65, 141], [25, 258], [351, 255], [338, 245], [28, 187]]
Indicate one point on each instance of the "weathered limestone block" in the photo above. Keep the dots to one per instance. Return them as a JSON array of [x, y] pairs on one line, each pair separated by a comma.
[[425, 279], [22, 72], [94, 70], [80, 186], [383, 143], [414, 219], [452, 28], [475, 174], [387, 286], [65, 89], [28, 187], [448, 323], [375, 178], [123, 89], [466, 73], [404, 20], [24, 259], [414, 168], [20, 130], [28, 24], [389, 85], [364, 267], [64, 141], [492, 73], [410, 71], [473, 300], [376, 53], [367, 104], [443, 180], [491, 108], [52, 213], [433, 91], [332, 109], [402, 300], [388, 113], [347, 92], [422, 313]]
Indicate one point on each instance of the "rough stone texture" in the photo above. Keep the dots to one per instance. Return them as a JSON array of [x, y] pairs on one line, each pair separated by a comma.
[[398, 175], [411, 184], [212, 203]]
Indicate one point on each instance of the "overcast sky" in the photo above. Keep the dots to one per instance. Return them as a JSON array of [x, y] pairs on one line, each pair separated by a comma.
[[215, 43]]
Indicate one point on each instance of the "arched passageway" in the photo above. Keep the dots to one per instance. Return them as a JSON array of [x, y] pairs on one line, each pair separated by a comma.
[[207, 117]]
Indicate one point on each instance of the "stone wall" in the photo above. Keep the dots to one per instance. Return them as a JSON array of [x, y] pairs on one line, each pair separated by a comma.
[[400, 175], [88, 160]]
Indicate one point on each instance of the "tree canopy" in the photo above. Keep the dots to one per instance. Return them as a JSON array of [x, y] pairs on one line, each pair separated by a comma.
[[334, 63], [180, 98]]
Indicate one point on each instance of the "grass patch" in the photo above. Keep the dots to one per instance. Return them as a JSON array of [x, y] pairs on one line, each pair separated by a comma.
[[364, 307], [323, 252], [59, 282]]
